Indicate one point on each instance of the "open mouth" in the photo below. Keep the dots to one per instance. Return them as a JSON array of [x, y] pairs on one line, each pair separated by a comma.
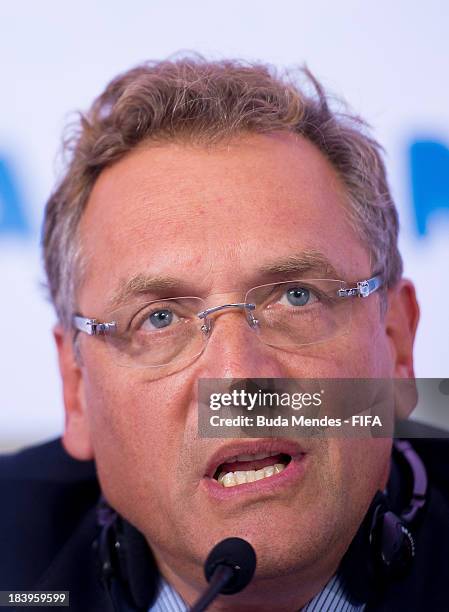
[[243, 469], [254, 467]]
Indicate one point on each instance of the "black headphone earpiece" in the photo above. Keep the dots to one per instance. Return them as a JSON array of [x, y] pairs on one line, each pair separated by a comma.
[[127, 568], [391, 542], [384, 546]]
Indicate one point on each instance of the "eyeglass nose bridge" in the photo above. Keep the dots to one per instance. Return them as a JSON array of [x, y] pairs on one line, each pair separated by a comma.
[[253, 322]]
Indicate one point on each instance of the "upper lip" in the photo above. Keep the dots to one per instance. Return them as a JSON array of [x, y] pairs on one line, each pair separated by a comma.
[[270, 445]]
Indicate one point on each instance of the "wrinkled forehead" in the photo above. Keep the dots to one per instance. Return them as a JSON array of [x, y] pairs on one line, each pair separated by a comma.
[[217, 218]]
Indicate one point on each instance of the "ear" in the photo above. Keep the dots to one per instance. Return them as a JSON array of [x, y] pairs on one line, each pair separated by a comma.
[[76, 438], [402, 318]]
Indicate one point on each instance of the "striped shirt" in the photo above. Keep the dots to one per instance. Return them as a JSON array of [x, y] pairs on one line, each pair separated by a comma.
[[332, 598]]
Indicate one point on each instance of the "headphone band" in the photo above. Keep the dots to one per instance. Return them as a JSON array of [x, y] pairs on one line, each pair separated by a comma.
[[419, 479]]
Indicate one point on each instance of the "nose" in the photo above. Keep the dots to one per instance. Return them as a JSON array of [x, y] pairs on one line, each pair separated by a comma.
[[235, 351]]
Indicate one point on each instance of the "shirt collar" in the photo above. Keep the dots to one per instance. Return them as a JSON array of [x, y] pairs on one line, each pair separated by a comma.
[[333, 596]]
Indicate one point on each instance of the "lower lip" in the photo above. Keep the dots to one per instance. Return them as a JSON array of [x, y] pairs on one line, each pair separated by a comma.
[[288, 477]]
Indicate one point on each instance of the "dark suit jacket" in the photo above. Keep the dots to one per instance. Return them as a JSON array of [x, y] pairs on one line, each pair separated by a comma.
[[49, 534]]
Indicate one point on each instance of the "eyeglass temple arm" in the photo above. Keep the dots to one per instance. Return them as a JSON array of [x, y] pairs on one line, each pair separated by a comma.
[[92, 326], [363, 289]]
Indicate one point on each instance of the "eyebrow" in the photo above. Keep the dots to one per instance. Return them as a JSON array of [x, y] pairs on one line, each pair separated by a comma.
[[307, 262], [302, 263], [141, 284]]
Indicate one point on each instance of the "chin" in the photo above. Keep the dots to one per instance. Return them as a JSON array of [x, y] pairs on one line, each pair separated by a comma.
[[283, 545]]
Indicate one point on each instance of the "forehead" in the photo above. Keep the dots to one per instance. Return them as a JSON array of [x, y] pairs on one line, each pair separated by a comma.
[[214, 215]]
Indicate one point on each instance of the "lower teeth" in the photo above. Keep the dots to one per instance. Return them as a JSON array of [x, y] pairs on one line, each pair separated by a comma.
[[232, 479]]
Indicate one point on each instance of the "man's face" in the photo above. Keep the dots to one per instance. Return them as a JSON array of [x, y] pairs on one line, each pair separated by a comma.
[[214, 218]]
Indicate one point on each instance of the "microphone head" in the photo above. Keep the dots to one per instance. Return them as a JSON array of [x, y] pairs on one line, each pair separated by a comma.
[[237, 554]]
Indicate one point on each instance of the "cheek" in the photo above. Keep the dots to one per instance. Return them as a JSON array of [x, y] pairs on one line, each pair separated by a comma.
[[127, 437], [138, 428], [367, 351], [363, 468]]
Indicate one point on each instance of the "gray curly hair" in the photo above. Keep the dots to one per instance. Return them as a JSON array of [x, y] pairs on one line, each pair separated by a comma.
[[191, 98]]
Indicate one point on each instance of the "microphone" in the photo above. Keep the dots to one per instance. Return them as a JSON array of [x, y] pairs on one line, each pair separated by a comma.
[[229, 568]]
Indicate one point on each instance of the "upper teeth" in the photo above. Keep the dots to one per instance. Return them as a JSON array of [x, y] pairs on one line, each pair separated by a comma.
[[251, 457], [231, 479]]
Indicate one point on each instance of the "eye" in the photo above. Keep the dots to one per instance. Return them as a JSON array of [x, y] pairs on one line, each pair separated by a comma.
[[158, 319], [298, 296]]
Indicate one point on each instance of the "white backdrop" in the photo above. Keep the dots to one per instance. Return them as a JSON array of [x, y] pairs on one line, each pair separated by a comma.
[[390, 60]]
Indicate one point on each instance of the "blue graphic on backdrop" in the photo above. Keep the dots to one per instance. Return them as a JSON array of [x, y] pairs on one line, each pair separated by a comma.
[[429, 162], [12, 217]]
